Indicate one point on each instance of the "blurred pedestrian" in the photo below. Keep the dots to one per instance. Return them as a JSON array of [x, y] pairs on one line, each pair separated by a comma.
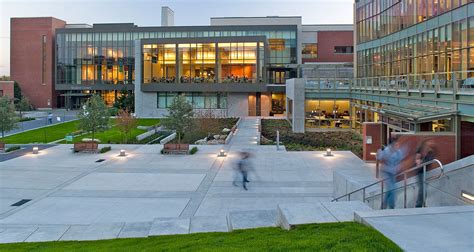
[[50, 118], [390, 157], [243, 168], [424, 153]]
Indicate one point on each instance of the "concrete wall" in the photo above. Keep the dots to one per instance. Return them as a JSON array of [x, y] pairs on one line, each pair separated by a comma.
[[7, 89], [26, 58], [295, 90], [237, 104]]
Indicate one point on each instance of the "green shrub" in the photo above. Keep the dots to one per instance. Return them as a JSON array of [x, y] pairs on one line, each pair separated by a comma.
[[105, 149], [113, 111], [25, 119], [193, 150], [14, 148]]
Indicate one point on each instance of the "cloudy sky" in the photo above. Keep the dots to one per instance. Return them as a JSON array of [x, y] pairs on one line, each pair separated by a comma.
[[147, 13]]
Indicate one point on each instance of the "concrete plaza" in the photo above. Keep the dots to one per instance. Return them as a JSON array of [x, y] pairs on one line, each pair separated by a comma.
[[70, 192]]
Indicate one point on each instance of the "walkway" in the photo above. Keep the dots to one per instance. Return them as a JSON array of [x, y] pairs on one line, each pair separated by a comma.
[[247, 133], [42, 121]]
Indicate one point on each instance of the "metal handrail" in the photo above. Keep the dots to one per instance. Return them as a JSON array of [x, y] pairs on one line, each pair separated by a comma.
[[404, 174]]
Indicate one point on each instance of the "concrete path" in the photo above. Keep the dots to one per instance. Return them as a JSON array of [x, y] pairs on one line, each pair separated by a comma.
[[247, 132], [42, 121], [425, 229]]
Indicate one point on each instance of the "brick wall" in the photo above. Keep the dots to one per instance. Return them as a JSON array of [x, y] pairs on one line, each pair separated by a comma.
[[6, 88], [26, 58], [327, 40]]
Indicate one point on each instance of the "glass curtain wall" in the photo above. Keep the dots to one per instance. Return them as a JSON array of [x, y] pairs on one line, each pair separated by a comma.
[[108, 57], [379, 18], [94, 58], [432, 55], [236, 63]]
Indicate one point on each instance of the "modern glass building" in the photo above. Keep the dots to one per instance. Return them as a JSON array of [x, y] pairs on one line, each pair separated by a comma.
[[414, 67]]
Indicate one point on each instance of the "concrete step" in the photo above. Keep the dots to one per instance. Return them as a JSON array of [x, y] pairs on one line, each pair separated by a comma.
[[135, 229], [324, 212], [425, 229], [206, 224], [169, 226], [252, 219]]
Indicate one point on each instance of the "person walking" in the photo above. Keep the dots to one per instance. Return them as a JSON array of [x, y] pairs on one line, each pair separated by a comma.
[[390, 158], [50, 118], [243, 167], [424, 153]]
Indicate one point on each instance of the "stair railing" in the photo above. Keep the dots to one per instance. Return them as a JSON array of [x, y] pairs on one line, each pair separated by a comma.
[[404, 174]]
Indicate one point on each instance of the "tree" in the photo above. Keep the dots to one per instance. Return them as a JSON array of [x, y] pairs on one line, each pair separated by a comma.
[[17, 91], [126, 100], [94, 116], [23, 105], [8, 117], [126, 123], [180, 116]]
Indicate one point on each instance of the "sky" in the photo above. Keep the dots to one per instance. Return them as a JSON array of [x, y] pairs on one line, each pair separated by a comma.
[[148, 13]]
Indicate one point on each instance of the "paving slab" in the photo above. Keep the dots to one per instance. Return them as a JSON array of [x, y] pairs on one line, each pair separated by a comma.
[[413, 211], [252, 219], [135, 229], [138, 182], [51, 233], [15, 234], [100, 231], [169, 226], [428, 232], [344, 210], [303, 213], [205, 224], [89, 210]]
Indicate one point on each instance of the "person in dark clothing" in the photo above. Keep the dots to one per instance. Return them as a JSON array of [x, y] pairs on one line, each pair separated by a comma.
[[424, 153], [242, 168]]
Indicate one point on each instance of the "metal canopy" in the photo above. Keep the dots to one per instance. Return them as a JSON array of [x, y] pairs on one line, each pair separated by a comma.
[[417, 112]]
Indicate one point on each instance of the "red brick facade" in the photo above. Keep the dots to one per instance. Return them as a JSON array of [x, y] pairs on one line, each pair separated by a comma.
[[327, 40], [34, 74], [6, 89]]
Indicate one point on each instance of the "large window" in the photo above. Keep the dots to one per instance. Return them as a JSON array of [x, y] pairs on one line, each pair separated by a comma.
[[310, 51], [238, 62], [327, 114], [197, 63], [197, 100]]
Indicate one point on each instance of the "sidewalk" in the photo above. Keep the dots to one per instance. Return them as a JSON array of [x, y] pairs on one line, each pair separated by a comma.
[[42, 121]]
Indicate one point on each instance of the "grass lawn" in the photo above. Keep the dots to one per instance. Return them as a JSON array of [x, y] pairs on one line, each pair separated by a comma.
[[348, 236], [114, 135], [59, 131], [43, 135]]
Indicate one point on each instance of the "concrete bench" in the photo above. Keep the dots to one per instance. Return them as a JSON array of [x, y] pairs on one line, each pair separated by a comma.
[[176, 148], [86, 147]]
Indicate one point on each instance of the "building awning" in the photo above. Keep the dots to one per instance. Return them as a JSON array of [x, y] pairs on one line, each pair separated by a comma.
[[416, 113]]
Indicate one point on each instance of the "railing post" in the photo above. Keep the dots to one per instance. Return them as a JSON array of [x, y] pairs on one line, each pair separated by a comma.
[[405, 190], [381, 196], [349, 197], [424, 186]]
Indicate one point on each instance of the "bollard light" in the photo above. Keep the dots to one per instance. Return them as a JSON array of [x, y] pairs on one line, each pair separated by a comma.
[[222, 153], [35, 150], [328, 152], [122, 153], [467, 195]]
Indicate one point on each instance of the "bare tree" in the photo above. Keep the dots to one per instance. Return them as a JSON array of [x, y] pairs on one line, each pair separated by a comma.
[[126, 123]]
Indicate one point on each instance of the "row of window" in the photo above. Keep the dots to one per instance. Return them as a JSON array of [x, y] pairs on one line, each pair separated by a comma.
[[203, 63], [197, 100], [445, 49], [379, 18]]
